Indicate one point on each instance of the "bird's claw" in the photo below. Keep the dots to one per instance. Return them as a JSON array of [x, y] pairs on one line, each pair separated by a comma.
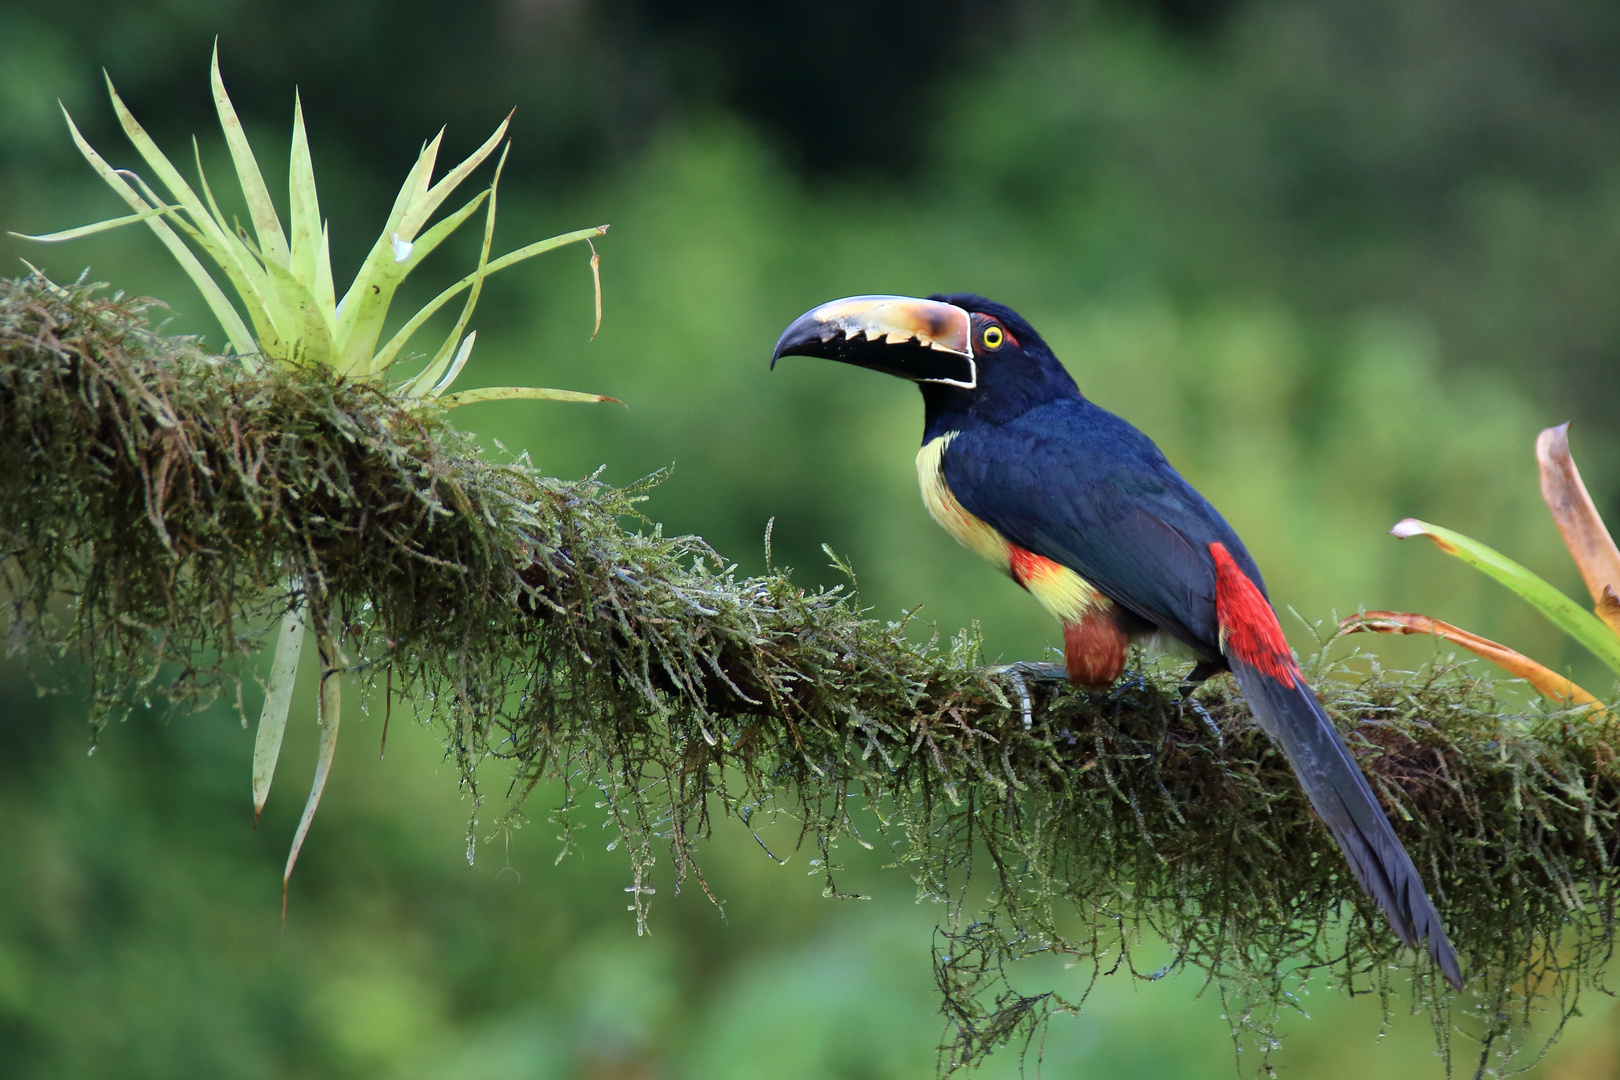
[[1035, 672]]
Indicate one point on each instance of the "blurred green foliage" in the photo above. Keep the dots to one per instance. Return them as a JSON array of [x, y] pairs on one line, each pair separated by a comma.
[[1341, 260]]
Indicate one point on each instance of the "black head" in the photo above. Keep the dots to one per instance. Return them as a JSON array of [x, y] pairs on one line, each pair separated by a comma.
[[971, 357]]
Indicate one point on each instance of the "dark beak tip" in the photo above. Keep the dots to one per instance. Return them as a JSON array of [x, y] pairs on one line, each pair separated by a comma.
[[798, 339]]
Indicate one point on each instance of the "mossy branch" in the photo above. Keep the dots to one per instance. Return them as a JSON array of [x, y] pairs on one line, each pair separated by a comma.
[[155, 502]]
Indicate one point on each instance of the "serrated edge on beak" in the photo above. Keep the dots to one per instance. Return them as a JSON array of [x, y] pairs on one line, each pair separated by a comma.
[[883, 320]]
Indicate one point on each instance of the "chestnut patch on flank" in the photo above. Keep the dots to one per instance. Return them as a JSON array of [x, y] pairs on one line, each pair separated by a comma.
[[1094, 648]]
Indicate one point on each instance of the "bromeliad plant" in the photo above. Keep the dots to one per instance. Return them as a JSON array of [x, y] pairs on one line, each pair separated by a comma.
[[1593, 550], [282, 279]]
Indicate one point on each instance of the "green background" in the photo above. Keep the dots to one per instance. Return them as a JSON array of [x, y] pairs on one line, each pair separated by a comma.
[[1342, 261]]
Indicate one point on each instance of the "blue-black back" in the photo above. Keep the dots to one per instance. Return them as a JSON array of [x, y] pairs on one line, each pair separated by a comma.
[[1078, 485]]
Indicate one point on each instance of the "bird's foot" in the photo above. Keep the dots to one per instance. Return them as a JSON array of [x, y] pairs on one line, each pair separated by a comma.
[[1033, 672], [1197, 708]]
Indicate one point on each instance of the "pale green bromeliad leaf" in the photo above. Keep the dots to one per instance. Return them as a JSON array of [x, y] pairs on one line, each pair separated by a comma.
[[419, 250], [100, 226], [511, 258], [596, 288], [310, 331], [211, 233], [266, 225], [1569, 616], [308, 260], [245, 271], [456, 365], [330, 710], [431, 375], [366, 304], [277, 700], [235, 330], [516, 393]]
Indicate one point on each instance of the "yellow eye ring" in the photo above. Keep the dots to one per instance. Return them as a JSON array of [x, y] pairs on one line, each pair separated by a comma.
[[992, 337]]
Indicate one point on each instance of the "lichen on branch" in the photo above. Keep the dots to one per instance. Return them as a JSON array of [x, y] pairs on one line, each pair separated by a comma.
[[156, 501]]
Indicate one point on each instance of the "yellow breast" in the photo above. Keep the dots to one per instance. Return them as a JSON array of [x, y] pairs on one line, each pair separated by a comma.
[[966, 529], [1060, 590]]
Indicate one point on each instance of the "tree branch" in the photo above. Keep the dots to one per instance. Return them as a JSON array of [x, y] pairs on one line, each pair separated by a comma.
[[152, 497]]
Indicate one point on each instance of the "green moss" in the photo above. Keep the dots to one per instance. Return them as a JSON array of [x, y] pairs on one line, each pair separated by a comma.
[[155, 503]]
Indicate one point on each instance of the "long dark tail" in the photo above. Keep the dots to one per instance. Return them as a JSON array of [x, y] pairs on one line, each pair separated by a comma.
[[1288, 712]]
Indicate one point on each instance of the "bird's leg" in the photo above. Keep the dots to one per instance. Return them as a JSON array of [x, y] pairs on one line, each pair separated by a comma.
[[1201, 673], [1190, 702], [1095, 647]]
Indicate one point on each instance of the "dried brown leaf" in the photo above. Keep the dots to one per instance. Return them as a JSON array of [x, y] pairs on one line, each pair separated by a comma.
[[1587, 538]]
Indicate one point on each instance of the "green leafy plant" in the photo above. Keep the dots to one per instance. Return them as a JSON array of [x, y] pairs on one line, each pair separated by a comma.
[[282, 279], [1589, 544]]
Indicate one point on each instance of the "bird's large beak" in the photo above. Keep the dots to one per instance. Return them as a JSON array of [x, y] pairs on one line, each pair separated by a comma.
[[920, 340]]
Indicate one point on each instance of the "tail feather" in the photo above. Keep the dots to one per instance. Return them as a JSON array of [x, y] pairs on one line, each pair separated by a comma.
[[1288, 711], [1339, 791]]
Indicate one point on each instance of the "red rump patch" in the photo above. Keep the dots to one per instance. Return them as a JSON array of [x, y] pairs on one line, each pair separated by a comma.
[[1249, 628], [1027, 564], [1094, 648]]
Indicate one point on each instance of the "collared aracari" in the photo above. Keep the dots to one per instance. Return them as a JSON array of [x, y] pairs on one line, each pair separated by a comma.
[[1083, 511]]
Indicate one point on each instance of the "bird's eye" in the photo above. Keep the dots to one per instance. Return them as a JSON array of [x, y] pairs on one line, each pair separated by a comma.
[[992, 336]]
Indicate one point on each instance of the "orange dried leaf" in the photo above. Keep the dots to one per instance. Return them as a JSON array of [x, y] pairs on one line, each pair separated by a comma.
[[1543, 678]]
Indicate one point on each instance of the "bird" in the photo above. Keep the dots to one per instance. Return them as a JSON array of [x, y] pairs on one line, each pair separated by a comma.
[[1083, 510]]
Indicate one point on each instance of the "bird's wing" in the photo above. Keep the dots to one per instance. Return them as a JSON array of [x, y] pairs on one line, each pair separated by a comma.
[[1077, 485]]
